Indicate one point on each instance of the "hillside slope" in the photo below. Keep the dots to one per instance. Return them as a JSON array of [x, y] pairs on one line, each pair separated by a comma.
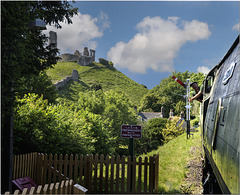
[[108, 77]]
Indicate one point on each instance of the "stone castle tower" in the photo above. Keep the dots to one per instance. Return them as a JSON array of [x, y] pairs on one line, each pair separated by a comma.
[[53, 39], [83, 59], [87, 58]]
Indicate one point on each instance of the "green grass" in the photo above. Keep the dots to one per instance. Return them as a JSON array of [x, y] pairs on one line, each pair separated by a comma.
[[173, 159], [107, 76], [63, 69]]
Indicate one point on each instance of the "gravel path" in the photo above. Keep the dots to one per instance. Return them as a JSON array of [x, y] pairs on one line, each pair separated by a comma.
[[193, 181]]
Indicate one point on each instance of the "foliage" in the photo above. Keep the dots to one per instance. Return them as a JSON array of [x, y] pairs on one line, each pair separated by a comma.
[[150, 103], [24, 52], [115, 109], [169, 93], [152, 135], [180, 106], [40, 127], [198, 77], [39, 84], [96, 86], [89, 125], [103, 61], [172, 130]]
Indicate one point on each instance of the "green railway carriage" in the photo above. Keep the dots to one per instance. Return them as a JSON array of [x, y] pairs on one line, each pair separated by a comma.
[[220, 124]]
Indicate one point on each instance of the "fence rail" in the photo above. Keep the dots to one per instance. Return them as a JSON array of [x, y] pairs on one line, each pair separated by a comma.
[[99, 173]]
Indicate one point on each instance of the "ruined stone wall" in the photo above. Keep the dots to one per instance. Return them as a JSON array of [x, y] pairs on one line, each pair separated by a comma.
[[67, 57], [85, 60], [60, 84]]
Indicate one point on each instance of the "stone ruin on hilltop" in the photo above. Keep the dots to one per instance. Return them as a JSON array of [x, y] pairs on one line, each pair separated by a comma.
[[83, 59]]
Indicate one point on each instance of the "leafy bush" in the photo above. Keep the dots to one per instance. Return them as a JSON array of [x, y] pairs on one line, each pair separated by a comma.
[[89, 125], [40, 84], [180, 106], [40, 127], [152, 135], [172, 130], [115, 110], [111, 63], [96, 86], [103, 61]]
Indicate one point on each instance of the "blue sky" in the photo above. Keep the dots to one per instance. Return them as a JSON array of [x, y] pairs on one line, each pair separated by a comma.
[[148, 40]]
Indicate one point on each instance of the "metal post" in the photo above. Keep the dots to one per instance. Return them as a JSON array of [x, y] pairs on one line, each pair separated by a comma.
[[131, 153], [131, 147], [188, 106]]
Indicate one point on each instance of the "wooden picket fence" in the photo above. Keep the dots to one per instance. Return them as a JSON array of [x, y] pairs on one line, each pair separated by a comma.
[[99, 174]]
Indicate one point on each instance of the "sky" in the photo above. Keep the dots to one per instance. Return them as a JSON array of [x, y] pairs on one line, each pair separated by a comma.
[[148, 40]]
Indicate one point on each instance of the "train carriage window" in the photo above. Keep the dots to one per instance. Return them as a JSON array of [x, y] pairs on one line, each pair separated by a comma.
[[210, 80], [209, 83]]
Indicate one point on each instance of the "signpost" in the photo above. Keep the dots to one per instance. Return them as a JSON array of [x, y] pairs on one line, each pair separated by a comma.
[[131, 132]]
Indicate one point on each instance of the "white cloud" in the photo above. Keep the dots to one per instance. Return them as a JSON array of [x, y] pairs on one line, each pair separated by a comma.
[[203, 69], [156, 44], [236, 27], [82, 32]]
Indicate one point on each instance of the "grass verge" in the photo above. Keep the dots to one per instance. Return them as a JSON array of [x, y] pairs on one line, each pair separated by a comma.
[[173, 162]]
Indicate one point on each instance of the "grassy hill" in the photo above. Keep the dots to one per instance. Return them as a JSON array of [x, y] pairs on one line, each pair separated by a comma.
[[108, 77]]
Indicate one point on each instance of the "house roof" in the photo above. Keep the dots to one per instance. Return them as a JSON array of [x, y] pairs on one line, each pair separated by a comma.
[[149, 115]]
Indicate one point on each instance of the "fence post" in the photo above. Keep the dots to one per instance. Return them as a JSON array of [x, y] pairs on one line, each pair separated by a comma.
[[90, 168], [88, 171], [156, 172], [151, 174], [39, 168]]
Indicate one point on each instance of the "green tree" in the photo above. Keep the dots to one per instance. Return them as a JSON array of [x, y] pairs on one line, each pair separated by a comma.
[[60, 128], [39, 84], [168, 93], [197, 77], [150, 103], [180, 106], [114, 108], [24, 53]]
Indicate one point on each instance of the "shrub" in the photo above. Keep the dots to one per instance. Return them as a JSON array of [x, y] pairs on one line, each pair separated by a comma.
[[40, 127], [96, 87], [152, 135], [110, 64], [172, 130], [89, 125], [103, 61]]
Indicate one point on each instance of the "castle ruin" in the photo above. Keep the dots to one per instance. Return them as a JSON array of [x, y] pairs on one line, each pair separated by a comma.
[[83, 59], [87, 59], [52, 40]]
